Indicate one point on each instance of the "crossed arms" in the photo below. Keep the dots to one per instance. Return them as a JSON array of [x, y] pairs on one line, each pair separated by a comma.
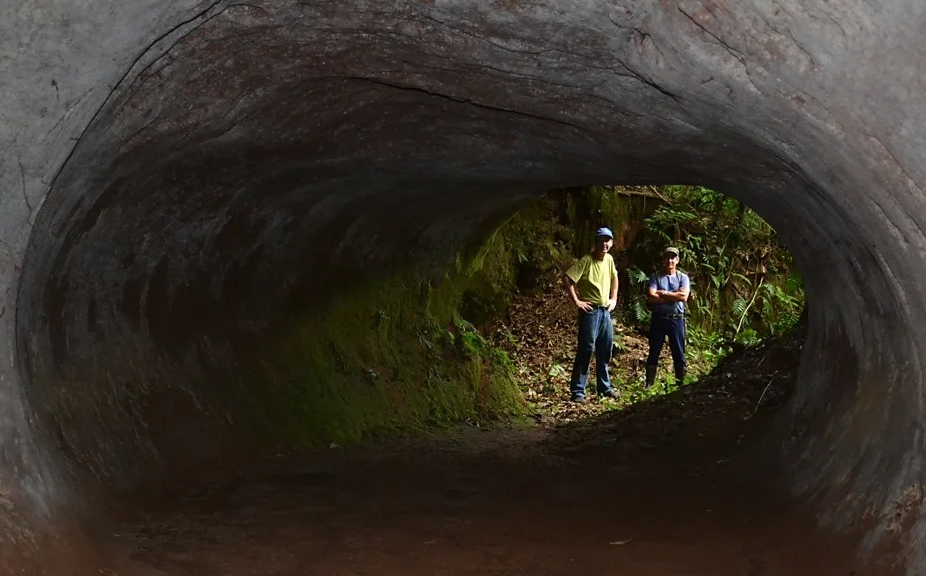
[[654, 296]]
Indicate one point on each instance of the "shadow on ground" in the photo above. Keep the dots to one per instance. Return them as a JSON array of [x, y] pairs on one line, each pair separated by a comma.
[[675, 486]]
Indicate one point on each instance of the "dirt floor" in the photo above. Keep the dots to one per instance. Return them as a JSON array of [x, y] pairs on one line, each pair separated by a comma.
[[651, 485], [675, 486], [510, 501]]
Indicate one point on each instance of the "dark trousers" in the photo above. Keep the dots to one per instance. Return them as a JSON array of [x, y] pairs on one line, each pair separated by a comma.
[[674, 329], [596, 335]]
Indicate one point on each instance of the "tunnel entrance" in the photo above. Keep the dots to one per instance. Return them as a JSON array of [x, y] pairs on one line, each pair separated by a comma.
[[675, 487], [188, 191], [744, 288], [678, 486]]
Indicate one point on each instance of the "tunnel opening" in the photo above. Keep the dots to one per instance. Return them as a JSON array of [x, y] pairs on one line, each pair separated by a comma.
[[167, 303], [180, 521], [744, 284], [250, 161], [187, 335], [149, 301]]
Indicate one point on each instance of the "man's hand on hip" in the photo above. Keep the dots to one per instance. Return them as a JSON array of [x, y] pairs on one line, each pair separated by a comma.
[[584, 306]]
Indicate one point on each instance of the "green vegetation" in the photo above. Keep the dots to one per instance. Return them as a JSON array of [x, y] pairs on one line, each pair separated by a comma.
[[408, 355], [744, 283], [393, 359]]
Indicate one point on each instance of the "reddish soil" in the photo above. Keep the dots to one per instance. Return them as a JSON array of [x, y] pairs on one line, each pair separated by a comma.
[[674, 485], [505, 501]]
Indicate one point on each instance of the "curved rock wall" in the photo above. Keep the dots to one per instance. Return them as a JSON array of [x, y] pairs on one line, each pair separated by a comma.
[[180, 170]]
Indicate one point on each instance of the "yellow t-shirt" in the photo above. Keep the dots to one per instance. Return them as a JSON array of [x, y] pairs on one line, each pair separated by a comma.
[[593, 278]]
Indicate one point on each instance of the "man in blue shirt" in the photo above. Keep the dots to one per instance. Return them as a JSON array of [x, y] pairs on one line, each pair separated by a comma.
[[592, 286], [666, 296]]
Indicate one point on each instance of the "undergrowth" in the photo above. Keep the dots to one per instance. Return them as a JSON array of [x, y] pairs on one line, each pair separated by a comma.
[[384, 362]]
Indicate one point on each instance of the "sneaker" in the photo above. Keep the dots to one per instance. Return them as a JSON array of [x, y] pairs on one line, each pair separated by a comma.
[[612, 394], [579, 399]]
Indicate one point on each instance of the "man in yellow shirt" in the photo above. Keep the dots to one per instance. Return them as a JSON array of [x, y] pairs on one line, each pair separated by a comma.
[[592, 284]]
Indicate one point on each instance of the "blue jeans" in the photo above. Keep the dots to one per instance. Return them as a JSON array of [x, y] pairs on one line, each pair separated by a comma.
[[674, 329], [596, 335]]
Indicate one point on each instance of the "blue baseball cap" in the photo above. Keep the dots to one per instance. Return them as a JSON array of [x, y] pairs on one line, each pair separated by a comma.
[[604, 232]]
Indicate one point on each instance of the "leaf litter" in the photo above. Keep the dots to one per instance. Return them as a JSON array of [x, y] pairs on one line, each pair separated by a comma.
[[538, 332]]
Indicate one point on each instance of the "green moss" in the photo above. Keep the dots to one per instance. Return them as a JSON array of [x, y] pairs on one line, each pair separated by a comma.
[[407, 355], [377, 362]]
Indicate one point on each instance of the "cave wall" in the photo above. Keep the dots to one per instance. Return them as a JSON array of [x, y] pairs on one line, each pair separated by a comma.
[[177, 169]]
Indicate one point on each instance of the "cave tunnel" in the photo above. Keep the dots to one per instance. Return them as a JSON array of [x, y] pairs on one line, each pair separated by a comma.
[[183, 170]]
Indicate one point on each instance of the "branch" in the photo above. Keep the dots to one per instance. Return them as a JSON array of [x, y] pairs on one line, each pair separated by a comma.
[[645, 191], [748, 306]]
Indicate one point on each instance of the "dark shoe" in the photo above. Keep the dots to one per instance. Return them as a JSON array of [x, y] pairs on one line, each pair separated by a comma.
[[579, 399], [650, 376], [612, 394]]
